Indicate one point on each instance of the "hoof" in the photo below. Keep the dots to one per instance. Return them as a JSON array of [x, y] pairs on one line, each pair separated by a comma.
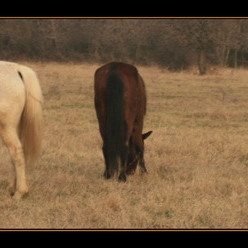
[[122, 178], [106, 175], [143, 171], [17, 196], [12, 191]]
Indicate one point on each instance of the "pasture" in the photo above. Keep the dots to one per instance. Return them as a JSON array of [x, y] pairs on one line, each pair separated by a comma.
[[196, 157]]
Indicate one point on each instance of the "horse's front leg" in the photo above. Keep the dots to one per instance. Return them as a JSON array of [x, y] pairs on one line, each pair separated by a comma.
[[142, 167]]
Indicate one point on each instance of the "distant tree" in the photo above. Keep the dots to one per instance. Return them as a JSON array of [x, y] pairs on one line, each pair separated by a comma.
[[174, 43], [198, 35]]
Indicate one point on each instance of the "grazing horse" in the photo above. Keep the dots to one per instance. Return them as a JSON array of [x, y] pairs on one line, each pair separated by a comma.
[[21, 103], [120, 104]]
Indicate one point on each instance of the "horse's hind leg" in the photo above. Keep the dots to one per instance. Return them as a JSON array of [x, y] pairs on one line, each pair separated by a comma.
[[11, 140], [124, 154], [106, 171]]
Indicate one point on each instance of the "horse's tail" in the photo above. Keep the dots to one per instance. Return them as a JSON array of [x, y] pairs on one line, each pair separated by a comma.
[[32, 119], [115, 121]]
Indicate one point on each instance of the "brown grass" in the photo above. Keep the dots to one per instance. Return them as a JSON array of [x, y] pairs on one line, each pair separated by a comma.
[[197, 156]]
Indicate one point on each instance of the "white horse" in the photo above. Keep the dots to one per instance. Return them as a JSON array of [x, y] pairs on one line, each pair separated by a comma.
[[21, 103]]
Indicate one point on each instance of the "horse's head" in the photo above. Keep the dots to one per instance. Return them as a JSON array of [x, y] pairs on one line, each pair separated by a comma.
[[133, 155]]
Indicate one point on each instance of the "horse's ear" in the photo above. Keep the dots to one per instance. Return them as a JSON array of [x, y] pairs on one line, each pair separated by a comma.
[[146, 135]]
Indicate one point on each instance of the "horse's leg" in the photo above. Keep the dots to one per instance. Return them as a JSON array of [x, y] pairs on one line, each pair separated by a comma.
[[139, 147], [106, 171], [11, 140], [123, 158], [142, 165]]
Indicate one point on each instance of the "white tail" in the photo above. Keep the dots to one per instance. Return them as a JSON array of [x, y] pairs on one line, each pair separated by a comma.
[[31, 120]]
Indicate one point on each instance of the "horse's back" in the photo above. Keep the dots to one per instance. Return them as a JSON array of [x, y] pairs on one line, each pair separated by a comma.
[[124, 71]]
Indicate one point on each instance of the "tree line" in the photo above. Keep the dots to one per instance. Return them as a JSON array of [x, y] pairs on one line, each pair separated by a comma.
[[172, 43]]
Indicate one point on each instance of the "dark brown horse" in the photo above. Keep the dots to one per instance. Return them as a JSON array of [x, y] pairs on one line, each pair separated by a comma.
[[120, 103]]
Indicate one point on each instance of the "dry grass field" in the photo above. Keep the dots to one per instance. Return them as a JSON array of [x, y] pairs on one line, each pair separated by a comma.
[[197, 156]]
